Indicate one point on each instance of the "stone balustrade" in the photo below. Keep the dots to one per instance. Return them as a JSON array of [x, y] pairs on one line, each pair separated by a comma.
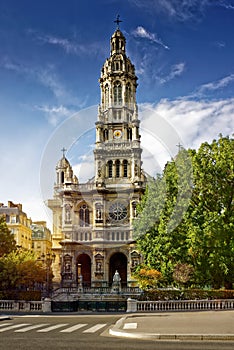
[[132, 305], [25, 306], [179, 305]]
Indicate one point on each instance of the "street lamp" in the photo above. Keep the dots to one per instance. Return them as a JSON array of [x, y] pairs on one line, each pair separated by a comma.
[[48, 259]]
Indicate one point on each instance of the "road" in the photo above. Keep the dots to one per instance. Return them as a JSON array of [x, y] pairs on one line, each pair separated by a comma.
[[82, 332]]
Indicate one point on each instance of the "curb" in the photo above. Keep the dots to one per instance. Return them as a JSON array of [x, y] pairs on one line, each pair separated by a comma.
[[118, 332], [3, 318]]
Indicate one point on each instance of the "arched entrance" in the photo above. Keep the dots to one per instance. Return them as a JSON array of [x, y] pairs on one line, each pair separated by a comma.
[[84, 269], [118, 261]]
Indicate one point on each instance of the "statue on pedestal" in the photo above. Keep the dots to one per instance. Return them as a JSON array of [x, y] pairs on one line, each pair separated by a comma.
[[116, 285]]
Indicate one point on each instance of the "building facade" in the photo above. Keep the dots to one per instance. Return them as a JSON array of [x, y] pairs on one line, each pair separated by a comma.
[[41, 238], [92, 222], [18, 223]]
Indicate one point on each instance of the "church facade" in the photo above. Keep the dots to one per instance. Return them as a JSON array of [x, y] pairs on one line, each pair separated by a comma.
[[92, 222]]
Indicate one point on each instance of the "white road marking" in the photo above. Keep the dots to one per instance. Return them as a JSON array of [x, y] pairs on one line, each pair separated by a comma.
[[73, 328], [130, 326], [13, 327], [29, 328], [51, 328], [4, 324], [95, 328]]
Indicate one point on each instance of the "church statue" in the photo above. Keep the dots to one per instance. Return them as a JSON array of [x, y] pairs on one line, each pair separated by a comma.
[[116, 285]]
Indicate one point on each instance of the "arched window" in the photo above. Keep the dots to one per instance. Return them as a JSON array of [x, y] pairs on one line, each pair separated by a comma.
[[110, 168], [117, 168], [62, 177], [117, 44], [105, 134], [106, 98], [84, 215], [117, 93], [129, 134], [128, 94], [125, 168]]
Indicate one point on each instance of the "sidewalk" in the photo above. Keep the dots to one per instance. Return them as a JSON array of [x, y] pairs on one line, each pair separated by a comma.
[[204, 325]]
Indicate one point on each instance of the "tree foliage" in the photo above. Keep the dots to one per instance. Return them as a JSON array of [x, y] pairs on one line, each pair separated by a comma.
[[182, 273], [147, 278], [7, 242], [21, 270], [186, 216]]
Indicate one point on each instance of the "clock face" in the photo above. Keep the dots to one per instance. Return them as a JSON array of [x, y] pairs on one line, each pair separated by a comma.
[[117, 134], [118, 211]]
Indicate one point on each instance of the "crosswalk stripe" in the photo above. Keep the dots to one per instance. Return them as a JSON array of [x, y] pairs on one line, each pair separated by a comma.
[[29, 328], [95, 328], [73, 328], [130, 326], [51, 328], [4, 324], [13, 327]]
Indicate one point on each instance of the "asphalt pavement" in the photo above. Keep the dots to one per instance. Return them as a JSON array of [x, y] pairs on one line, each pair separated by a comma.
[[198, 325], [204, 325]]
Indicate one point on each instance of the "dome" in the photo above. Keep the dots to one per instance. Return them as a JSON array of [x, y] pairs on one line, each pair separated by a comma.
[[118, 33], [62, 163]]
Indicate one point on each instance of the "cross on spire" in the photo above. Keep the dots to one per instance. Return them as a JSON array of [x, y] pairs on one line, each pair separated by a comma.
[[63, 150], [179, 146], [117, 21]]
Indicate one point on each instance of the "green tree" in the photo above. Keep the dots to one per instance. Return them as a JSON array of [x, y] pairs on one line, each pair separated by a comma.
[[160, 212], [7, 242], [21, 270], [192, 207], [211, 220]]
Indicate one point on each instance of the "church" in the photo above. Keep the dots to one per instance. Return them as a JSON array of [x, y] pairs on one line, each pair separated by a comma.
[[92, 221]]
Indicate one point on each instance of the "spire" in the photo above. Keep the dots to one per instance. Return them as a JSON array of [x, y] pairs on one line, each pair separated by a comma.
[[117, 21], [63, 150], [118, 40]]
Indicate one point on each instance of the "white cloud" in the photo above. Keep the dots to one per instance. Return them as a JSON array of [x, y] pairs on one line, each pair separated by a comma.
[[55, 113], [219, 44], [219, 84], [84, 170], [15, 66], [182, 10], [49, 78], [226, 5], [194, 121], [68, 45], [175, 71], [143, 33]]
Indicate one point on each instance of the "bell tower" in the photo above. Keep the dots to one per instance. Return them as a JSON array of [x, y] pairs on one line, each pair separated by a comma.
[[117, 152], [93, 221]]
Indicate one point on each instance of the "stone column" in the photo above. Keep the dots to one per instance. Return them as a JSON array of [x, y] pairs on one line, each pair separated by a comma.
[[46, 306], [131, 305]]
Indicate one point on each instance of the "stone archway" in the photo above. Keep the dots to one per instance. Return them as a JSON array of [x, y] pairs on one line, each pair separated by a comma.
[[119, 262], [84, 269]]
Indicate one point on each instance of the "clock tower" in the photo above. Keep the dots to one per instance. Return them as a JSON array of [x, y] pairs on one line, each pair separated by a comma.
[[93, 221], [118, 152]]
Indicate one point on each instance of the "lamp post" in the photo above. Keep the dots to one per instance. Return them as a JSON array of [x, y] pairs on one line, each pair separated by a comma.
[[48, 259]]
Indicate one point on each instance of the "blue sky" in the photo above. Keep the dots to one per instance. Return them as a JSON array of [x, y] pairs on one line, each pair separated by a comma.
[[51, 54]]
